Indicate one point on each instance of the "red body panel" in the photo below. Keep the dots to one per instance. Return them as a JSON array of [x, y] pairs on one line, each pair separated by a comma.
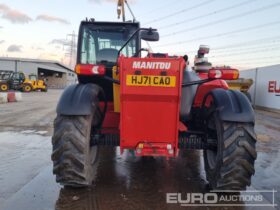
[[148, 121], [204, 88], [149, 114], [111, 121]]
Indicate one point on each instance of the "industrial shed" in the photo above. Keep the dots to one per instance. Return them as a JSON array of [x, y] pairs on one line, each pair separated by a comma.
[[55, 74]]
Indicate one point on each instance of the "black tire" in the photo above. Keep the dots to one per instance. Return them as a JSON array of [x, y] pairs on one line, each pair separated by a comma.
[[231, 165], [27, 88], [75, 161], [4, 87]]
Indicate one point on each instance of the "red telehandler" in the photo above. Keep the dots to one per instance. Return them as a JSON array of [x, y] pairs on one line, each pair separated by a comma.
[[151, 105]]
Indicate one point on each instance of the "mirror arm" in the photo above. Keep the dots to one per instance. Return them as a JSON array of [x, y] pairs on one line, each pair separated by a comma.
[[130, 38]]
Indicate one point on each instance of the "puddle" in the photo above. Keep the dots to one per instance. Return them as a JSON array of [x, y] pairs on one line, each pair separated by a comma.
[[28, 131], [22, 157], [122, 182], [41, 132]]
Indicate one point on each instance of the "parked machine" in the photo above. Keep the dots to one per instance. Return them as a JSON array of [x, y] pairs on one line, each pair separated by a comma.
[[242, 85], [38, 84], [10, 80], [150, 105]]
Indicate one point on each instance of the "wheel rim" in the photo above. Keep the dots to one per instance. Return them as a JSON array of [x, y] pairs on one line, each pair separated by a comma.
[[27, 88], [4, 87], [212, 158], [212, 133], [93, 154]]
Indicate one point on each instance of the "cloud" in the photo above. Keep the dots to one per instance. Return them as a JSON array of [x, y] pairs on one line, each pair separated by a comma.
[[50, 56], [4, 8], [100, 1], [52, 19], [14, 48], [2, 41], [37, 48], [13, 15], [110, 1], [60, 41]]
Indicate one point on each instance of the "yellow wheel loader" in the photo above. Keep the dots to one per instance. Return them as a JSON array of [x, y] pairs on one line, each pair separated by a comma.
[[10, 80], [242, 85], [38, 84]]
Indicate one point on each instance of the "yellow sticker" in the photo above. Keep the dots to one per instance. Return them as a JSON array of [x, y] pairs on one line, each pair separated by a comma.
[[150, 80]]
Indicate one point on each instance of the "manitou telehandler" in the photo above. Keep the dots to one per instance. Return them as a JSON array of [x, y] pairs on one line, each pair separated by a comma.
[[151, 105]]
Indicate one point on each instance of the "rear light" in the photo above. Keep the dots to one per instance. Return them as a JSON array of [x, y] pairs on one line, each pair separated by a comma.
[[90, 69], [223, 73], [215, 74], [169, 146], [138, 150]]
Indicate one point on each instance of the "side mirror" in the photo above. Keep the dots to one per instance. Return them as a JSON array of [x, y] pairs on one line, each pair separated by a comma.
[[150, 35]]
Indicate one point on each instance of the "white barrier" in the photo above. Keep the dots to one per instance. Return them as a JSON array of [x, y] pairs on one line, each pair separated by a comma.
[[18, 96], [3, 98], [6, 97]]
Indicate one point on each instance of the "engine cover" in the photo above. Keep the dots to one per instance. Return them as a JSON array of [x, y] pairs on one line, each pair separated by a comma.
[[150, 95]]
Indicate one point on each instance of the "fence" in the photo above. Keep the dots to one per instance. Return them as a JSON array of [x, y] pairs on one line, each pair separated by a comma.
[[265, 91]]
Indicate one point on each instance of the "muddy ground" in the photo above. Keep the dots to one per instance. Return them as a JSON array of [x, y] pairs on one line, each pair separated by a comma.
[[123, 182]]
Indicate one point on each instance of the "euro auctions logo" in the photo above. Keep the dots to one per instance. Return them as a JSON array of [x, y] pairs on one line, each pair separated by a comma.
[[274, 87], [223, 198], [192, 198]]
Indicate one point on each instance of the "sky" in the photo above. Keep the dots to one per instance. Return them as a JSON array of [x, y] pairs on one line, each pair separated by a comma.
[[240, 33]]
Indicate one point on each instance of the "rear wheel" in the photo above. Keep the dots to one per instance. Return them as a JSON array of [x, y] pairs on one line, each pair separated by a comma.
[[75, 161], [231, 165], [27, 88], [3, 87]]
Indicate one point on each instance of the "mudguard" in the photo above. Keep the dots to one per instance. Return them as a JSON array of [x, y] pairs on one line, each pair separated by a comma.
[[188, 95], [232, 105], [78, 99]]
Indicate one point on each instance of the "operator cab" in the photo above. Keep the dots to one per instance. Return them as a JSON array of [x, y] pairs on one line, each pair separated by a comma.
[[13, 79], [99, 43]]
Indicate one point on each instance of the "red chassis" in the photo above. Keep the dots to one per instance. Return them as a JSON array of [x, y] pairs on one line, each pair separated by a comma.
[[149, 121]]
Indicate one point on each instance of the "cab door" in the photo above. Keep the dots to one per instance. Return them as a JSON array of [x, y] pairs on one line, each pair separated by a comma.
[[17, 79]]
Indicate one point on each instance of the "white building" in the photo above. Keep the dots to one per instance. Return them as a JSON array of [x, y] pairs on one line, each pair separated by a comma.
[[55, 74], [265, 91]]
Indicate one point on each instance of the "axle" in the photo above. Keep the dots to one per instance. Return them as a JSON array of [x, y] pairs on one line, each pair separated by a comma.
[[187, 140], [195, 140]]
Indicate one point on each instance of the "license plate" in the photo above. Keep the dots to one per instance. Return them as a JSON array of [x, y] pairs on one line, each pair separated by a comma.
[[149, 80]]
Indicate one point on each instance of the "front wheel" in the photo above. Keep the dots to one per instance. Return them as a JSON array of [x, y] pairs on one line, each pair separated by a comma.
[[231, 165], [75, 161]]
